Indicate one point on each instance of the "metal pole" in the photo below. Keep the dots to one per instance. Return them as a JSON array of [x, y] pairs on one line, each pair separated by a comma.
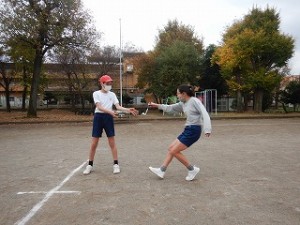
[[121, 85], [216, 97]]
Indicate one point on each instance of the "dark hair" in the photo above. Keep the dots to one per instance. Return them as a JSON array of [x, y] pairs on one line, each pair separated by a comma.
[[188, 89]]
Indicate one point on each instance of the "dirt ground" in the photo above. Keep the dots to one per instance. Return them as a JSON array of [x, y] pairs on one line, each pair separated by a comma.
[[18, 116], [249, 175], [67, 116]]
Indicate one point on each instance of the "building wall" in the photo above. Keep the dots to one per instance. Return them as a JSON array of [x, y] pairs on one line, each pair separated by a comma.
[[57, 81]]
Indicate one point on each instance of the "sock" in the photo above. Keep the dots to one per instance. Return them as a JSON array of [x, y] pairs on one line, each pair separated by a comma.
[[91, 162], [163, 168], [190, 168], [116, 162]]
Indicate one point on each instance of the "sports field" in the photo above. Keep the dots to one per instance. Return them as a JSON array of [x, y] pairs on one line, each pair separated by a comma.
[[250, 174]]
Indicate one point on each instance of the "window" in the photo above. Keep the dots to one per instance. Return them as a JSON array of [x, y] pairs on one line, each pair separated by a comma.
[[129, 68]]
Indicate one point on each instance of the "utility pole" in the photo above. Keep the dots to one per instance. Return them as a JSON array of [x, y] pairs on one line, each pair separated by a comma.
[[121, 82]]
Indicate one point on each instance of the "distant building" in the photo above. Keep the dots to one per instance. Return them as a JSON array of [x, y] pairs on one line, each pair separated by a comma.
[[56, 84]]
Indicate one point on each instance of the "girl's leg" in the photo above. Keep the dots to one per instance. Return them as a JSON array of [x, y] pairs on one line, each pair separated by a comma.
[[175, 151]]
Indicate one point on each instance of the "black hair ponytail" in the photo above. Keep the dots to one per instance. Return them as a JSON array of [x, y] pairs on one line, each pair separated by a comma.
[[188, 89]]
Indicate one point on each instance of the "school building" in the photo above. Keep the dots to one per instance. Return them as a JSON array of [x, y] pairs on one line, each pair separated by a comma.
[[59, 85]]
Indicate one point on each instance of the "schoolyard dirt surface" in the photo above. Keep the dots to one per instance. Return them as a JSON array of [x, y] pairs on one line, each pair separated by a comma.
[[249, 175]]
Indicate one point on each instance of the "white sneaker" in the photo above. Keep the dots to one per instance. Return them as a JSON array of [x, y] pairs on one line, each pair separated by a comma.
[[116, 168], [158, 172], [192, 173], [88, 169]]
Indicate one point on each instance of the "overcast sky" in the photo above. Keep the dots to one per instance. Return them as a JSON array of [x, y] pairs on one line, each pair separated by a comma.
[[141, 20]]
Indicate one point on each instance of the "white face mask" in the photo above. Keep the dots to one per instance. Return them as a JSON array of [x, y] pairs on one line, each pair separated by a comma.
[[107, 87], [182, 99]]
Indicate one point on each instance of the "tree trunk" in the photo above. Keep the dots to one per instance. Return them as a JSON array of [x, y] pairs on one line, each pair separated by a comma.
[[24, 94], [71, 92], [246, 101], [258, 98], [157, 99], [239, 102], [276, 98], [284, 107], [73, 101], [7, 95], [25, 77], [81, 99], [7, 81], [32, 109]]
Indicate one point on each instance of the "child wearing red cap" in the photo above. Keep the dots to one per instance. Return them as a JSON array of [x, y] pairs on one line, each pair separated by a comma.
[[104, 100]]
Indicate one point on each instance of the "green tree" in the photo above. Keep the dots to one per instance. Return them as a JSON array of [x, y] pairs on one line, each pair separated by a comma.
[[174, 31], [291, 94], [175, 60], [175, 65], [44, 24], [232, 71], [23, 57], [253, 46], [144, 67], [211, 77]]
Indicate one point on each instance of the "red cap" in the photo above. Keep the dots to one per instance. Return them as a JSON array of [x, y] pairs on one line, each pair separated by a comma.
[[105, 79]]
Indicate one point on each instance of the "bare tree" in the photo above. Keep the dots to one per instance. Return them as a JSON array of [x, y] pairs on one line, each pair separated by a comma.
[[44, 24], [5, 82], [106, 58], [6, 76], [73, 62]]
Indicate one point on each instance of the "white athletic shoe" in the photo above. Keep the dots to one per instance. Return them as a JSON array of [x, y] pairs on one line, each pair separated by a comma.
[[158, 172], [88, 169], [116, 168], [192, 173]]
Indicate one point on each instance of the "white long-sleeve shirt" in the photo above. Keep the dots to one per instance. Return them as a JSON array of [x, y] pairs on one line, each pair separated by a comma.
[[194, 110]]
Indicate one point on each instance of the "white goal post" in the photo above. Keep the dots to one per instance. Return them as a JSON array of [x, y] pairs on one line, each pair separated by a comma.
[[209, 99]]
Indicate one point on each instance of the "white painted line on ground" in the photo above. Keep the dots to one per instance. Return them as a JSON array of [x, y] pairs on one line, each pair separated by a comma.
[[39, 205], [45, 192]]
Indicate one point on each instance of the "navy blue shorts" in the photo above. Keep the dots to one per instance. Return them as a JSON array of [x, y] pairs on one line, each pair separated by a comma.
[[190, 135], [103, 121]]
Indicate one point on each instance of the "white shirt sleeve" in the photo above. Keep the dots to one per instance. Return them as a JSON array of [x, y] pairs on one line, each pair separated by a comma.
[[177, 107], [96, 97], [116, 101]]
